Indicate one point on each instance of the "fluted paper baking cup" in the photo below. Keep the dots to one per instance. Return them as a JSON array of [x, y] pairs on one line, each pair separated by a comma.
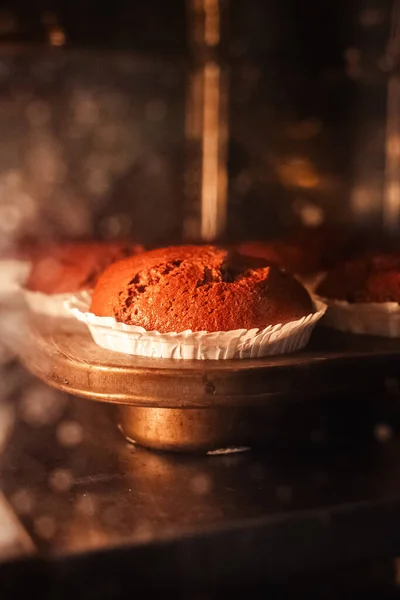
[[369, 318], [13, 274], [54, 305], [240, 343]]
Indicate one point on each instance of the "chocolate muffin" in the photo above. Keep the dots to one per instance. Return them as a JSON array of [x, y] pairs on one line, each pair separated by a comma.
[[371, 278], [329, 244], [72, 267], [293, 257], [201, 288], [24, 252], [307, 250]]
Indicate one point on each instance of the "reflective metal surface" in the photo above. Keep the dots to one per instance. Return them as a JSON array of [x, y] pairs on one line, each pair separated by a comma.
[[14, 540], [77, 485], [201, 406]]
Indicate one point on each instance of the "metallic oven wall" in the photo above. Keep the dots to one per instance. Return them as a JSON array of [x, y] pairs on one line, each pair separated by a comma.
[[91, 144], [308, 114], [93, 140]]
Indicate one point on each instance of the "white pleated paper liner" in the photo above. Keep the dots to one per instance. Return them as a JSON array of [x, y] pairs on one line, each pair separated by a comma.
[[54, 305], [13, 274], [201, 345], [369, 318]]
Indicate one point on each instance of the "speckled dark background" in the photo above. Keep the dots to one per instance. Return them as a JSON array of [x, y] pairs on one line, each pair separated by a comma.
[[92, 133]]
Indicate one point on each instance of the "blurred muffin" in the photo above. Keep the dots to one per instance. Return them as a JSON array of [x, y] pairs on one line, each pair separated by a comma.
[[293, 257], [363, 295], [306, 251], [73, 267], [201, 288], [15, 265], [371, 278]]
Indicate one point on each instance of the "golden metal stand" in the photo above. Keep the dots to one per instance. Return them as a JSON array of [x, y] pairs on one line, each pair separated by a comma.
[[198, 406]]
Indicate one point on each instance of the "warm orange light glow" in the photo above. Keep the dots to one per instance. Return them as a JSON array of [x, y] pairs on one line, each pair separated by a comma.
[[391, 203], [211, 24], [213, 217], [206, 126], [365, 200], [57, 37], [298, 172]]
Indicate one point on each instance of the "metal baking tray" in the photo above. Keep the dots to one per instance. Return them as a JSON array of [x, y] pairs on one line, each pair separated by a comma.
[[203, 406]]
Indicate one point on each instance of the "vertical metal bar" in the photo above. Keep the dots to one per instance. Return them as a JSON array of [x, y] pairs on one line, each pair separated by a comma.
[[391, 203], [206, 124], [391, 200]]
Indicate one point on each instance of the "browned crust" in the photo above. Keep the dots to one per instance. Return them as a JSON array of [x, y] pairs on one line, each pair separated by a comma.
[[198, 288]]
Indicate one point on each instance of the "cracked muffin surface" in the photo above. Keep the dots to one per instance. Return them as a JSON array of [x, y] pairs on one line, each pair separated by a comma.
[[198, 288]]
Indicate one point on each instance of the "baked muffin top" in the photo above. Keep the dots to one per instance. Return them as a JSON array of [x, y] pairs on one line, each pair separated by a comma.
[[201, 288]]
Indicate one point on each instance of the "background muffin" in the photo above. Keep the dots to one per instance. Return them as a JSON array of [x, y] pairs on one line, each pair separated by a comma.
[[363, 295], [371, 278], [288, 255], [15, 266], [307, 250], [72, 267]]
